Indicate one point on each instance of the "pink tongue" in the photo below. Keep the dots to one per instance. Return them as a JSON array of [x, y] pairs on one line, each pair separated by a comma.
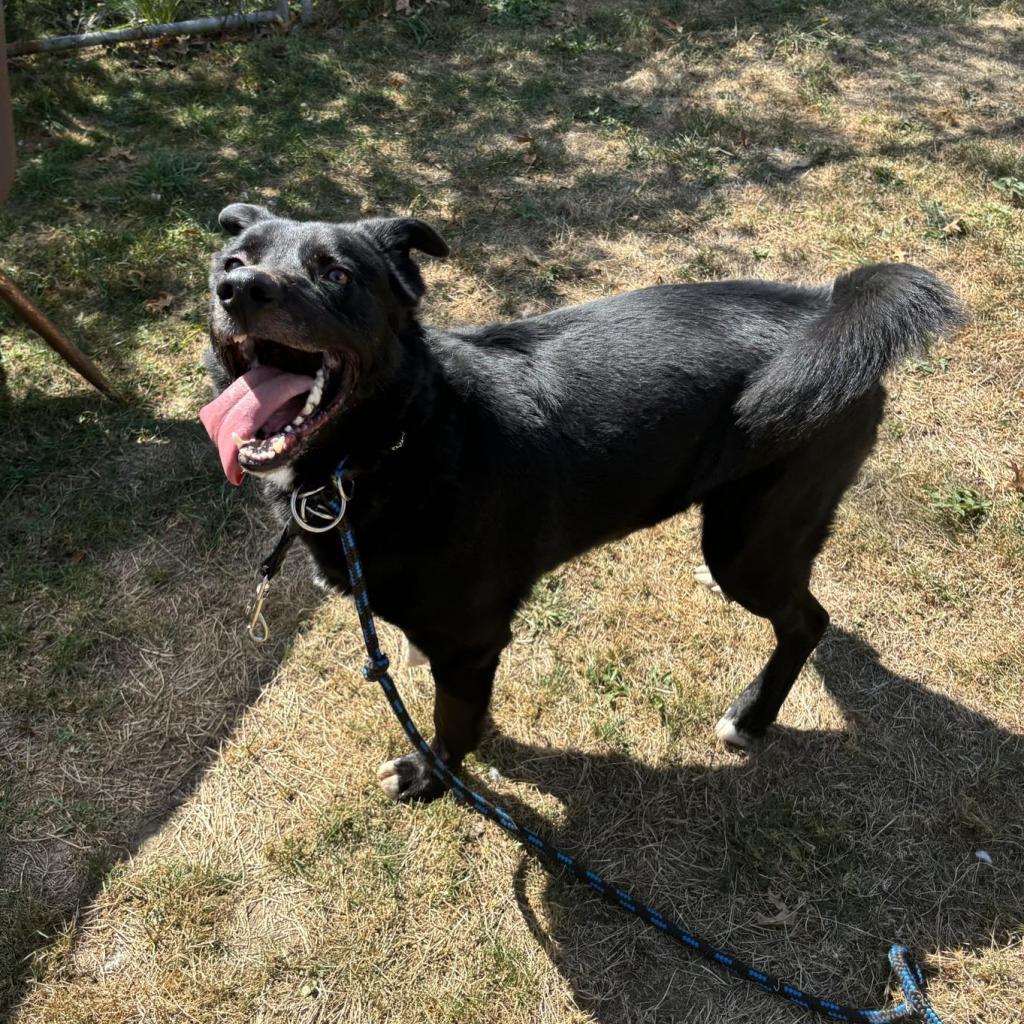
[[250, 403]]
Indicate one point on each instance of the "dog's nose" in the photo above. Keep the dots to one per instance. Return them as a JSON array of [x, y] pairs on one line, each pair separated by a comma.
[[248, 289]]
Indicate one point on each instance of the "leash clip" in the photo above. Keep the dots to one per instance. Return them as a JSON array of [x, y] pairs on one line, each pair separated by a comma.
[[257, 628], [307, 504]]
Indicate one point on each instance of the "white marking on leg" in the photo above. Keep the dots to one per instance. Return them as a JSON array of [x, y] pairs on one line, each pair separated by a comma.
[[702, 574], [414, 657], [727, 732], [387, 776]]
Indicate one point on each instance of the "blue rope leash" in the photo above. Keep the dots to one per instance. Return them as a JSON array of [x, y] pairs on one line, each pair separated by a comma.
[[916, 1005]]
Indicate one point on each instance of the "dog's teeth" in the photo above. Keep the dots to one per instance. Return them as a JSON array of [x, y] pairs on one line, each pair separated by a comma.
[[298, 421], [288, 429], [312, 400], [248, 347], [238, 440], [319, 378], [278, 445]]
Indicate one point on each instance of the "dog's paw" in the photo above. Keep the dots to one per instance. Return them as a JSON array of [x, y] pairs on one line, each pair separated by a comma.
[[732, 735], [702, 574], [744, 724], [408, 779]]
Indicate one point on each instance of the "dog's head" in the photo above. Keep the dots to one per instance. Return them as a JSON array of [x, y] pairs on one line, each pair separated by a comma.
[[311, 314]]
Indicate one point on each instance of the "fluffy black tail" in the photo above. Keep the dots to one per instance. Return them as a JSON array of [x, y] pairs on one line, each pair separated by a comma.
[[878, 316]]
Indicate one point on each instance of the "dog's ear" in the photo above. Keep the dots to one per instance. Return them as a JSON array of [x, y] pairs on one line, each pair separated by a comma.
[[234, 219], [395, 237]]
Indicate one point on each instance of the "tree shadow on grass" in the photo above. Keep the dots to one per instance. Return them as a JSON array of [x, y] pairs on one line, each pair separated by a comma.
[[808, 859], [502, 128], [123, 669]]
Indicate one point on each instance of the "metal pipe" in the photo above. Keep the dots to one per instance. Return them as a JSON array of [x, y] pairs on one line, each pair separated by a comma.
[[196, 26]]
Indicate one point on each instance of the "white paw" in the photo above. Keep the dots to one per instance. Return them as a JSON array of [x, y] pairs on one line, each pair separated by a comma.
[[702, 574], [727, 732], [387, 776]]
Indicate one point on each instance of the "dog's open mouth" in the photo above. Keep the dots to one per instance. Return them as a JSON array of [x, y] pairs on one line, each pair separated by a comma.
[[280, 397]]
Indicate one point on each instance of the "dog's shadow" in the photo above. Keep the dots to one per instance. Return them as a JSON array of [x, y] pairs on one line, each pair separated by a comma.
[[808, 858], [127, 565]]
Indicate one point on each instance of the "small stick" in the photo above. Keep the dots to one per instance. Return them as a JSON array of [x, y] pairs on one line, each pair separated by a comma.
[[22, 307]]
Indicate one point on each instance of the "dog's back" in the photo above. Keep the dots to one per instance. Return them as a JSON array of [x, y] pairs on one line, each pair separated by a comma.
[[788, 356], [653, 398]]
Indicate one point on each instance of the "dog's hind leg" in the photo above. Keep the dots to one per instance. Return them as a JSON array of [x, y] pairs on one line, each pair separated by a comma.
[[761, 535], [799, 625], [461, 697]]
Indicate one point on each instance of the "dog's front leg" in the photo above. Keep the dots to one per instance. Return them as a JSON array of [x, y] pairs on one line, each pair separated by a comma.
[[462, 693]]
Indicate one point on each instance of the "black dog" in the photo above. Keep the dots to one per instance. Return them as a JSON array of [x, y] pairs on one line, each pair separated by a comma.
[[488, 456]]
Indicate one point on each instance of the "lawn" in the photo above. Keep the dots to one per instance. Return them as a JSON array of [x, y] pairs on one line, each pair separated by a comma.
[[190, 826]]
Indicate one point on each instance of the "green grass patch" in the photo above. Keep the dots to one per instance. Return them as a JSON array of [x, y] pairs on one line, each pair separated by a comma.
[[961, 508]]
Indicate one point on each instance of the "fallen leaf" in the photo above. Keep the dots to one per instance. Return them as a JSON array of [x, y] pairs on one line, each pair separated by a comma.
[[784, 915], [955, 228], [523, 138], [160, 304], [1017, 483], [531, 258], [786, 160], [529, 159], [118, 153]]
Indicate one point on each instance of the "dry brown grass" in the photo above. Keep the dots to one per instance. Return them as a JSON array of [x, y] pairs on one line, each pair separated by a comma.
[[192, 828]]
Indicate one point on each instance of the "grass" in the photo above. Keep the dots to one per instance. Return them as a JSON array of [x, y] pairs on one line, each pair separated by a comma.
[[191, 828], [961, 507]]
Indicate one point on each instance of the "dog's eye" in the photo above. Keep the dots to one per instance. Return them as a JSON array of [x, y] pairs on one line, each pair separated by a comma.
[[233, 263], [337, 275]]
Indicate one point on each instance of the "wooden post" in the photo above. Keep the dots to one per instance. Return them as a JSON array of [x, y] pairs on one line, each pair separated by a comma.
[[25, 311]]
